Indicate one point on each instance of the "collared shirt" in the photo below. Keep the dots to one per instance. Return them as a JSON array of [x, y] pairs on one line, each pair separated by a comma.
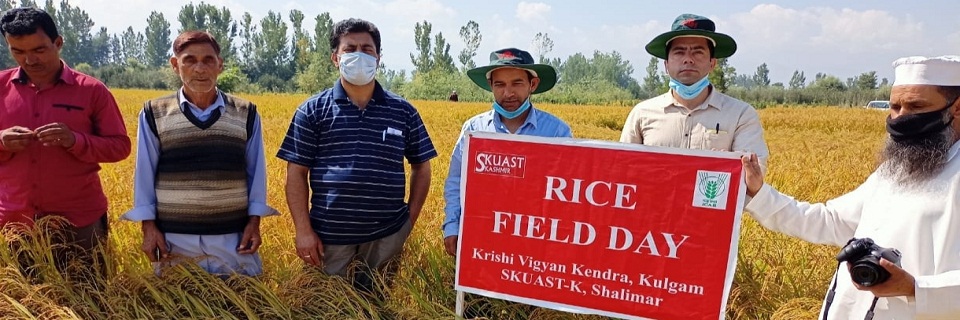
[[538, 123], [356, 162], [217, 252], [721, 122], [53, 180], [923, 222]]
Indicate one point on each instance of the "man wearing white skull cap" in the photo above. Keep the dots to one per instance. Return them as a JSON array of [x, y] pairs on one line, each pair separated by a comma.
[[911, 203]]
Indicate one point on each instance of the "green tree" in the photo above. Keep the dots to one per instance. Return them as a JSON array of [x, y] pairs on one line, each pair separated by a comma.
[[722, 75], [797, 81], [470, 33], [100, 48], [762, 77], [653, 83], [575, 69], [157, 35], [441, 54], [116, 51], [133, 46], [320, 73], [827, 82], [232, 78], [217, 21], [542, 45], [742, 80], [271, 51], [866, 81], [248, 32], [422, 61], [74, 25], [321, 33], [613, 68], [300, 43], [389, 79]]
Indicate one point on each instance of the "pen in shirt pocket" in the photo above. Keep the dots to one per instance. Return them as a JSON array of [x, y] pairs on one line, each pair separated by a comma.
[[718, 128]]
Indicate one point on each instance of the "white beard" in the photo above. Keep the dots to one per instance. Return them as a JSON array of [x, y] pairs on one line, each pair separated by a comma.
[[914, 163]]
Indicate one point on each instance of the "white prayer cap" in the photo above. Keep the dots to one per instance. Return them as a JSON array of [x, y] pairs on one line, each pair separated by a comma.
[[938, 71]]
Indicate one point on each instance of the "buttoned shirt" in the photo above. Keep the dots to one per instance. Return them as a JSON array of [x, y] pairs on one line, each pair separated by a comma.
[[922, 222], [538, 123], [356, 158], [53, 180], [721, 122]]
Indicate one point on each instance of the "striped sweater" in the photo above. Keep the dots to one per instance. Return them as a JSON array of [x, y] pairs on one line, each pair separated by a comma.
[[201, 180]]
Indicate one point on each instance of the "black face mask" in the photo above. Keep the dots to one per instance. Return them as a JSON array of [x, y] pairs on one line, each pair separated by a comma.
[[919, 126]]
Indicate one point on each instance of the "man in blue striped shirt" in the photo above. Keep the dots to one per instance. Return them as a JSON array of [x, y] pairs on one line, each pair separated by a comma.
[[351, 141], [513, 77]]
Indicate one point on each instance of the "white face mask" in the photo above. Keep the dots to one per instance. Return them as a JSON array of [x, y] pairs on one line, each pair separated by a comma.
[[358, 68]]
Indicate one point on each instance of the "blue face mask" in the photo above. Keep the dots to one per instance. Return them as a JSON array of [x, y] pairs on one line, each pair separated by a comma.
[[691, 91], [511, 114]]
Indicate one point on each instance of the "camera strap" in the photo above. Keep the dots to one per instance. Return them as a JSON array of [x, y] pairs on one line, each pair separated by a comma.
[[833, 291], [873, 305]]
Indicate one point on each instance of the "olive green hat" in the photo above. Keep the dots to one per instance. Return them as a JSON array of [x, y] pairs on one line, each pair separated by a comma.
[[514, 58], [691, 25]]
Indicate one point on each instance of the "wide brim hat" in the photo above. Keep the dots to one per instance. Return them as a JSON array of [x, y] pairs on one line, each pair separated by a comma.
[[691, 25], [514, 58]]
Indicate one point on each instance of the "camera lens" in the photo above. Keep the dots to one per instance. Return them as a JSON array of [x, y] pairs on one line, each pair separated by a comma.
[[865, 274]]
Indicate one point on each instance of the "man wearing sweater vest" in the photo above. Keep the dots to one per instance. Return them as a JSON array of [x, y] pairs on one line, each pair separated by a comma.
[[347, 145], [200, 183]]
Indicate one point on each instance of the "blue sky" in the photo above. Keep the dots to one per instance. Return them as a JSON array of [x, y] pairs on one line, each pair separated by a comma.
[[842, 38]]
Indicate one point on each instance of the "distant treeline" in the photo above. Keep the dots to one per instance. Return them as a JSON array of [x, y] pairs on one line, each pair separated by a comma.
[[277, 54]]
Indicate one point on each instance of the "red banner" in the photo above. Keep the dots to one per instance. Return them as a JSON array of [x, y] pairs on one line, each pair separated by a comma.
[[620, 230]]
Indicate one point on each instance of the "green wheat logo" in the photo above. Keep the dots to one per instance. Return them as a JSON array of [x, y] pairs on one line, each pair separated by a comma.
[[711, 187]]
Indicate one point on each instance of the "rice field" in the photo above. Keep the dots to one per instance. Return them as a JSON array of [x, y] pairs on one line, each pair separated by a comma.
[[817, 153]]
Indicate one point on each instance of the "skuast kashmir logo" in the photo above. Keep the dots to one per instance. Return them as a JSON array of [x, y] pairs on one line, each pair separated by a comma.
[[500, 164], [711, 190]]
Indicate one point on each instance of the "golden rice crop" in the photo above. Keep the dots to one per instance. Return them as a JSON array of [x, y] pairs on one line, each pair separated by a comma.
[[816, 154]]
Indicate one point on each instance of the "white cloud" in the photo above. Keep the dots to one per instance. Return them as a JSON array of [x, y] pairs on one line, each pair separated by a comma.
[[634, 37], [532, 11], [504, 34], [867, 30], [418, 10], [840, 41], [844, 29]]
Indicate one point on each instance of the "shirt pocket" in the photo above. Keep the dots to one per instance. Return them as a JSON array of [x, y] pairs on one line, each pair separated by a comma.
[[710, 137], [394, 142], [75, 116]]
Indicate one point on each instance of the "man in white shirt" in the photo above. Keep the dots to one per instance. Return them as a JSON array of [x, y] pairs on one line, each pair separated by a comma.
[[910, 203], [693, 114]]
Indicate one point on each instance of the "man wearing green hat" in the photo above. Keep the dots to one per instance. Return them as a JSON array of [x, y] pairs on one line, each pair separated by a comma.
[[692, 114], [513, 77]]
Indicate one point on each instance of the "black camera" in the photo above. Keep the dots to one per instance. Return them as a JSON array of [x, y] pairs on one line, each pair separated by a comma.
[[864, 257]]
